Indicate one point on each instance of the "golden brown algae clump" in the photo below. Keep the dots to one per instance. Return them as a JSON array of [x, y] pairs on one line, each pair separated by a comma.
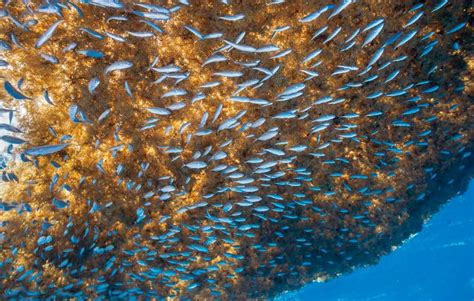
[[224, 149]]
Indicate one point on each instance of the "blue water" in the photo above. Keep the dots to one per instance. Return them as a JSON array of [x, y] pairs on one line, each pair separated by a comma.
[[437, 264]]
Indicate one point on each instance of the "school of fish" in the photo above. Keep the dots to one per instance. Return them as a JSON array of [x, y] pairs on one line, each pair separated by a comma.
[[223, 149]]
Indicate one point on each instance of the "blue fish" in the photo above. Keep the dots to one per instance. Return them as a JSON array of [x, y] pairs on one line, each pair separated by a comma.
[[45, 149], [47, 34], [14, 92]]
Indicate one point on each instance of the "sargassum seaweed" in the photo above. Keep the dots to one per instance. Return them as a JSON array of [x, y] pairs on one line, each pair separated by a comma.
[[224, 149]]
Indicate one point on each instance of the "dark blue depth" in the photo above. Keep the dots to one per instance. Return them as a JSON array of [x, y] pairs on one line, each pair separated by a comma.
[[437, 265]]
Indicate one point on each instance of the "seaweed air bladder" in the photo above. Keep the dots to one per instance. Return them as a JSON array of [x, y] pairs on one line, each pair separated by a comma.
[[228, 149]]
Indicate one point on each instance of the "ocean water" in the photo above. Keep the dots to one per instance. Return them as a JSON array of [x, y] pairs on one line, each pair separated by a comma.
[[107, 236], [437, 264]]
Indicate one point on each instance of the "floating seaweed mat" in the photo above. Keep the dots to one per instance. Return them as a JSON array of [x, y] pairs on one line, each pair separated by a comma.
[[224, 149]]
